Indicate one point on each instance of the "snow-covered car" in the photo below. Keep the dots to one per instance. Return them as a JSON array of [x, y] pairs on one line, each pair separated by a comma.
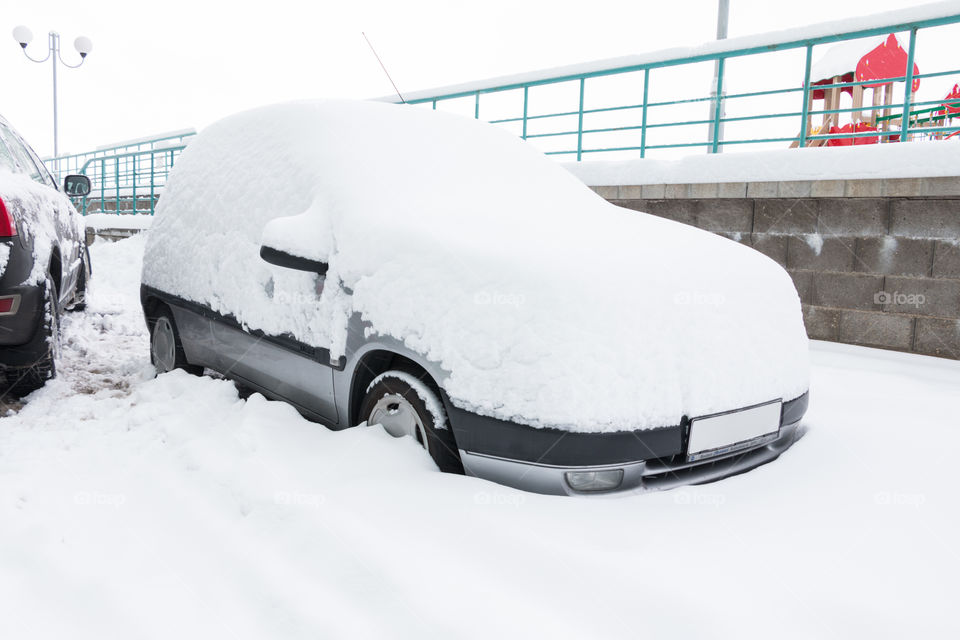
[[435, 275], [44, 263]]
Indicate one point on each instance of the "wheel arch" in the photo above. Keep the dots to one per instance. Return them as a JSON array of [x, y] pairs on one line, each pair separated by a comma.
[[55, 269], [375, 362]]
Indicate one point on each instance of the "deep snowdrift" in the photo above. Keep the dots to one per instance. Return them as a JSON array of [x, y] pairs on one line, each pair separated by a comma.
[[546, 304], [134, 507]]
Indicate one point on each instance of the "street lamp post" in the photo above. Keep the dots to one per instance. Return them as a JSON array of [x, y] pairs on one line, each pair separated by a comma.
[[83, 46]]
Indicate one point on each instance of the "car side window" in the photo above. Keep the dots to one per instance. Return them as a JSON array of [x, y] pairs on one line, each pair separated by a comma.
[[21, 155], [6, 158], [47, 176]]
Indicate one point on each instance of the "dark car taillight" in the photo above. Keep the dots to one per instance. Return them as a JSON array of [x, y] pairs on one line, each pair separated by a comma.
[[8, 228]]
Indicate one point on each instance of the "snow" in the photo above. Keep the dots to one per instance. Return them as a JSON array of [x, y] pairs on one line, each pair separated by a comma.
[[843, 58], [31, 203], [889, 20], [4, 257], [545, 304], [100, 221], [134, 507], [915, 160]]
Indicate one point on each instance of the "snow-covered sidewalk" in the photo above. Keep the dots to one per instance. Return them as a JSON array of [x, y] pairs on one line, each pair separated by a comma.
[[142, 507]]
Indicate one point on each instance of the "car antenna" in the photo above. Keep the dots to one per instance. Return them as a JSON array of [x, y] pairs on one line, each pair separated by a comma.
[[383, 67]]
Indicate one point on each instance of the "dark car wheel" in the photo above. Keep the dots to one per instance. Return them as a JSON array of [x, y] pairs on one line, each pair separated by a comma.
[[166, 350], [394, 403], [28, 379]]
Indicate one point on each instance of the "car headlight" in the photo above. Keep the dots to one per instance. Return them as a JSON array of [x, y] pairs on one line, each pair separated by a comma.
[[605, 480]]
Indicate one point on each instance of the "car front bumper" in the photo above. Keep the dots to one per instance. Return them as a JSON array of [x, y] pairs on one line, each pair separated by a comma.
[[638, 477], [539, 460]]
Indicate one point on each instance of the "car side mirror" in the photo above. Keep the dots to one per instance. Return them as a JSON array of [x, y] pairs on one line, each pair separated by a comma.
[[76, 186], [290, 261]]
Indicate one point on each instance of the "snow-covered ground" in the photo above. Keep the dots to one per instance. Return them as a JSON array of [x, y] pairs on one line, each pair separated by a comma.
[[141, 507]]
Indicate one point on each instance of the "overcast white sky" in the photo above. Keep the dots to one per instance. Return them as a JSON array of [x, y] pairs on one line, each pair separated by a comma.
[[172, 64]]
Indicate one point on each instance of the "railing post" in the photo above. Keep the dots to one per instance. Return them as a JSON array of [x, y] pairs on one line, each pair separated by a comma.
[[434, 105], [152, 179], [643, 120], [133, 181], [908, 89], [103, 170], [580, 122], [476, 106], [526, 96], [718, 106], [116, 181], [805, 112]]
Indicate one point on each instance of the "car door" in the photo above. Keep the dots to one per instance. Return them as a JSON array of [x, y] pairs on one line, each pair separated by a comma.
[[281, 365], [69, 225], [56, 212]]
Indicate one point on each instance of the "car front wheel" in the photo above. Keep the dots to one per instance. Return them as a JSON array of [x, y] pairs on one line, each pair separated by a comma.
[[405, 405]]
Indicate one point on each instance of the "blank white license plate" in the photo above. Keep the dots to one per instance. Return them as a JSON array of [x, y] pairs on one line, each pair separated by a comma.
[[729, 432]]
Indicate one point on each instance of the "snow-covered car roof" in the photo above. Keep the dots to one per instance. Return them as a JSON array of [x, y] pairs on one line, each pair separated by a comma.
[[546, 304]]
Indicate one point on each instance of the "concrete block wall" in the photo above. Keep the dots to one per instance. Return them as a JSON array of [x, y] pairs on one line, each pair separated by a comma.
[[876, 262]]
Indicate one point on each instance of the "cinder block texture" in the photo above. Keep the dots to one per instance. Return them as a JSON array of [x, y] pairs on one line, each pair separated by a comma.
[[822, 323], [895, 256], [925, 218], [938, 337], [876, 329]]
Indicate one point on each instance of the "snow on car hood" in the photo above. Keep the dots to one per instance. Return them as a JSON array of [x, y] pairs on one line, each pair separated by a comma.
[[546, 304]]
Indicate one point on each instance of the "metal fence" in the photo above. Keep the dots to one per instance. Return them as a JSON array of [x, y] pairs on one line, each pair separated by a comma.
[[62, 166], [129, 178], [577, 125], [128, 182]]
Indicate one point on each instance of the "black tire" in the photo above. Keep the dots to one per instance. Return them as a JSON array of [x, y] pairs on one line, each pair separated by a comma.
[[23, 381], [80, 291], [440, 442], [166, 350]]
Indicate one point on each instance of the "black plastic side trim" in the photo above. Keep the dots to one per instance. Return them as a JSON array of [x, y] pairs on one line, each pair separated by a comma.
[[794, 409], [493, 437], [319, 354], [503, 439]]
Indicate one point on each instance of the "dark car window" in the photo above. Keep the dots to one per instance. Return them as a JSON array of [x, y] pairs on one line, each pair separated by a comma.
[[22, 156]]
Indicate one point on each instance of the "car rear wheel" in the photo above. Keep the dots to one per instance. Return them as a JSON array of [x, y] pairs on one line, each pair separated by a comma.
[[166, 350], [408, 407], [28, 379]]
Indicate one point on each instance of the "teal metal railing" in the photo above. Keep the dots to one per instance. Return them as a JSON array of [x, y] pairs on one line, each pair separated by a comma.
[[126, 183], [648, 117], [62, 166]]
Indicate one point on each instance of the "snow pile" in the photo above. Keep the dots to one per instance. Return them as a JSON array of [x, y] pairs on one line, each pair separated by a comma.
[[915, 160], [546, 304], [135, 507], [98, 221]]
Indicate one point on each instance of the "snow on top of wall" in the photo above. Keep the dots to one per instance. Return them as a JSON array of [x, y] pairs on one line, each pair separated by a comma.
[[797, 34], [113, 221], [913, 160], [545, 304]]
